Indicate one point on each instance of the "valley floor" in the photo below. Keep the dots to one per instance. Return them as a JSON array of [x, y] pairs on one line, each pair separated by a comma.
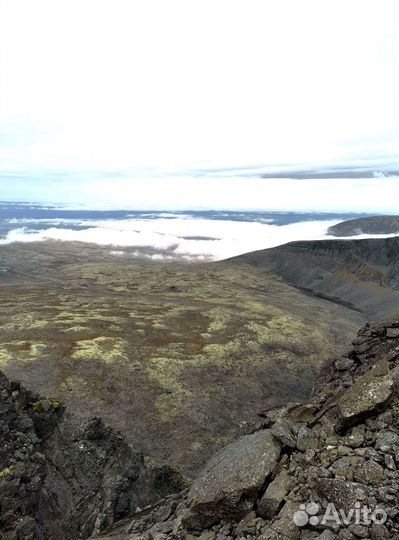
[[178, 357]]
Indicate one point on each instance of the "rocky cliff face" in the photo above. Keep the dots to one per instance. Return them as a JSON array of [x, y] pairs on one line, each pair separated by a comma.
[[61, 479], [325, 470]]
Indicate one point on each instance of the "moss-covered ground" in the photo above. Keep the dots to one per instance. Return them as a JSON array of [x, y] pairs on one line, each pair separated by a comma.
[[176, 356]]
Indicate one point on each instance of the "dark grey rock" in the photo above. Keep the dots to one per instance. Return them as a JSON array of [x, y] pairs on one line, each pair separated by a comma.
[[392, 333], [326, 535], [386, 440], [370, 473], [361, 531], [344, 364], [274, 495], [282, 430], [337, 491], [230, 481], [368, 395], [284, 526], [378, 531], [306, 439], [355, 438]]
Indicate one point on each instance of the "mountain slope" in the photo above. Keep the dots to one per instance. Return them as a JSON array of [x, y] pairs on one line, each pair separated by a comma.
[[361, 274]]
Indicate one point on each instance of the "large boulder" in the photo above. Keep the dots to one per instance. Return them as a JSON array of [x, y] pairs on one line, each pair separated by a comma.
[[231, 480], [367, 396]]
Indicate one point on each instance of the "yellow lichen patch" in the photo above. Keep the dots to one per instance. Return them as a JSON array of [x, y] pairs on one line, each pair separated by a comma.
[[278, 330], [119, 289], [56, 404], [5, 356], [76, 329], [158, 324], [140, 331], [7, 471], [20, 351], [69, 317], [36, 349], [197, 445], [219, 319], [24, 321], [222, 352], [31, 322], [166, 372], [107, 349]]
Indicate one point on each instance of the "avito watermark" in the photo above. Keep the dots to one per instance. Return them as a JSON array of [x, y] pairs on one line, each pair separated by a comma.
[[360, 515]]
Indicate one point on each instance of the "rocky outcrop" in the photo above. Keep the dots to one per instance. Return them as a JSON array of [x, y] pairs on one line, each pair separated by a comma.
[[63, 479], [325, 470]]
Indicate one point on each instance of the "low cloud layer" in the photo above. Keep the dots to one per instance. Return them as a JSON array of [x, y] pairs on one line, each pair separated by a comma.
[[179, 238]]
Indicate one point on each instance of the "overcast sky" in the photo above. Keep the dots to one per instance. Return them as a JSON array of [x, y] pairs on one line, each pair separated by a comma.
[[115, 85]]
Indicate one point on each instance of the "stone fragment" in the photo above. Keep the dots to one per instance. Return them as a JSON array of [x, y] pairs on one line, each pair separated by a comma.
[[338, 491], [282, 430], [306, 439], [378, 531], [343, 364], [385, 441], [355, 439], [359, 530], [392, 333], [274, 495], [369, 394], [370, 473], [284, 526]]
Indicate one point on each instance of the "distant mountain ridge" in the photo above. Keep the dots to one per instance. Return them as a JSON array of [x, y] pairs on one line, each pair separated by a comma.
[[367, 225], [318, 174]]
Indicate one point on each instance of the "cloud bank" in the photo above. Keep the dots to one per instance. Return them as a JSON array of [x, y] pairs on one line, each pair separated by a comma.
[[179, 238]]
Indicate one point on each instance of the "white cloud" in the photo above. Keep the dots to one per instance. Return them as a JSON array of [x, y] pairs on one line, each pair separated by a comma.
[[169, 237]]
